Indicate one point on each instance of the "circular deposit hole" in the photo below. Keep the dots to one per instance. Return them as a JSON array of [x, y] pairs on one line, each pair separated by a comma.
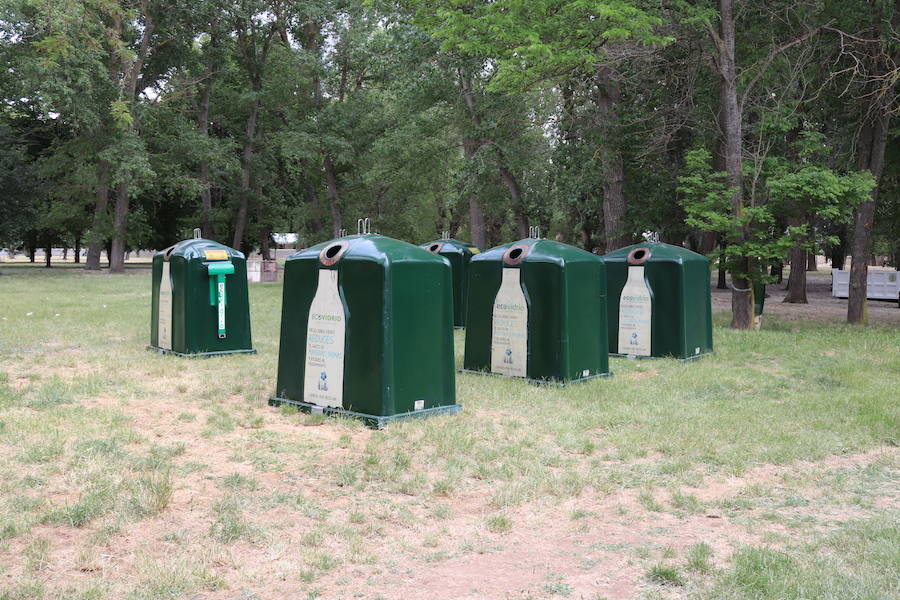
[[638, 256], [333, 253], [515, 254]]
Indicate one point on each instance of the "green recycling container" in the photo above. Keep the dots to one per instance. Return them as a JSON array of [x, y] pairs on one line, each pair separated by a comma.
[[532, 313], [459, 254], [660, 303], [199, 300], [367, 331]]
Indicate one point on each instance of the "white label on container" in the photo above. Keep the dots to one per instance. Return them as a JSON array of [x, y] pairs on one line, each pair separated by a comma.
[[419, 405], [509, 327], [221, 302], [164, 315], [635, 309], [323, 381]]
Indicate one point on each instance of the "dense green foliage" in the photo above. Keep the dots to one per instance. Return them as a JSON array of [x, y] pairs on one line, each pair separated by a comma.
[[126, 123]]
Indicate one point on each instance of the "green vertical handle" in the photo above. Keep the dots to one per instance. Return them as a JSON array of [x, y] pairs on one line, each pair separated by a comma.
[[217, 296]]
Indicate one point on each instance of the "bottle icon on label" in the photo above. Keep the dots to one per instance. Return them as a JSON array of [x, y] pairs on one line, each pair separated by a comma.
[[634, 339], [508, 357], [323, 381]]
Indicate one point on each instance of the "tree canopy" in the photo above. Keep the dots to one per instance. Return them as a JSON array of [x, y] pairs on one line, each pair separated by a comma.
[[752, 132]]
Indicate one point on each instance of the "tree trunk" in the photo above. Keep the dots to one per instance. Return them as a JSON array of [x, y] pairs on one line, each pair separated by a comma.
[[838, 258], [264, 239], [476, 216], [77, 249], [240, 223], [203, 127], [312, 198], [838, 252], [506, 175], [871, 157], [334, 198], [742, 292], [130, 91], [797, 279], [96, 241], [311, 31], [811, 264], [515, 193], [48, 254], [777, 271], [587, 236], [120, 225], [707, 242], [614, 204]]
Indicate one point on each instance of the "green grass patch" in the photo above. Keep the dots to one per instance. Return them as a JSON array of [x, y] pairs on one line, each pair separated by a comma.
[[793, 391], [861, 560]]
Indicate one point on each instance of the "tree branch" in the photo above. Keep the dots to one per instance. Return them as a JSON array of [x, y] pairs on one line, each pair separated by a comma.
[[772, 55]]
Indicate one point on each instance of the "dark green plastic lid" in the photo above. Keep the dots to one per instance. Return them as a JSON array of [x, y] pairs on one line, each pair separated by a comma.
[[451, 246], [535, 250], [198, 248], [654, 252], [368, 247]]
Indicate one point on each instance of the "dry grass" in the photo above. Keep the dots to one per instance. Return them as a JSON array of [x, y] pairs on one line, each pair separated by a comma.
[[125, 474]]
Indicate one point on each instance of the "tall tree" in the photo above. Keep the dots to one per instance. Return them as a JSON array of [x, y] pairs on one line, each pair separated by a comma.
[[256, 24], [868, 67]]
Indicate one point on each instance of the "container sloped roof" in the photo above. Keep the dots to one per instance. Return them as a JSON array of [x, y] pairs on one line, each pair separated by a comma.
[[452, 246], [194, 247], [659, 252], [371, 247], [540, 250]]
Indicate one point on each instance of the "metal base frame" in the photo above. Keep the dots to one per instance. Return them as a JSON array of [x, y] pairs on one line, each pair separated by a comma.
[[200, 354], [553, 382], [635, 356], [373, 421]]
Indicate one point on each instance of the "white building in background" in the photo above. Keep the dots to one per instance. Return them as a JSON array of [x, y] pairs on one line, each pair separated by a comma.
[[285, 239], [881, 284]]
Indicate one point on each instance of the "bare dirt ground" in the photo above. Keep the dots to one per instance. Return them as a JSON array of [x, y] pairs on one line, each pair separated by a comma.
[[822, 306], [592, 545], [307, 529]]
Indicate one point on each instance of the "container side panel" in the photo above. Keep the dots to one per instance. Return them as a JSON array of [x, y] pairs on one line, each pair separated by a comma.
[[588, 350], [156, 274], [484, 281], [181, 337], [664, 279], [362, 287], [616, 274], [461, 300], [546, 336], [421, 337], [698, 309], [201, 315], [458, 276]]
